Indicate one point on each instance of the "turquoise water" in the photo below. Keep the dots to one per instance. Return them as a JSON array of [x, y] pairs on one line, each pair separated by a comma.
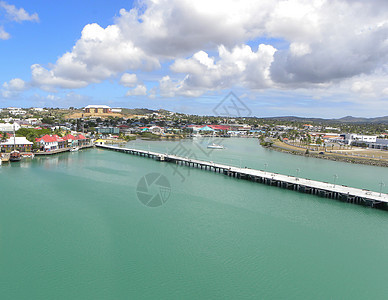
[[72, 227]]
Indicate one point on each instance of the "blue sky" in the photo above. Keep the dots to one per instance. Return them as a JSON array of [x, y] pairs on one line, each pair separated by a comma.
[[305, 58]]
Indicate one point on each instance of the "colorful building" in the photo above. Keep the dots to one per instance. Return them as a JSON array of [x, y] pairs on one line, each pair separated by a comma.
[[20, 143], [97, 109]]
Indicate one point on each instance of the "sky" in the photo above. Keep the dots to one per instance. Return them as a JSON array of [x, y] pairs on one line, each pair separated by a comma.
[[308, 58]]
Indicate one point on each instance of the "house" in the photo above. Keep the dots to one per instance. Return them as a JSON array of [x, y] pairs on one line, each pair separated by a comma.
[[71, 140], [16, 111], [156, 130], [82, 140], [205, 129], [97, 109], [7, 127], [20, 143], [308, 126], [220, 127], [50, 143]]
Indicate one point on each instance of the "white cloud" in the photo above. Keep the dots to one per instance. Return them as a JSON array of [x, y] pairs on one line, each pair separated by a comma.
[[15, 84], [128, 80], [180, 27], [3, 34], [324, 45], [139, 90], [13, 88], [98, 55], [239, 67], [18, 14]]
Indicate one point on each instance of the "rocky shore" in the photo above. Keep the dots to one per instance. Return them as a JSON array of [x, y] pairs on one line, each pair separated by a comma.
[[331, 156]]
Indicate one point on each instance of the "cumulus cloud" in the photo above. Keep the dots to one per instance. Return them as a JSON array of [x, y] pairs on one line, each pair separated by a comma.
[[128, 80], [139, 90], [176, 27], [98, 55], [240, 66], [15, 84], [18, 14], [324, 42], [13, 88], [3, 34], [13, 14]]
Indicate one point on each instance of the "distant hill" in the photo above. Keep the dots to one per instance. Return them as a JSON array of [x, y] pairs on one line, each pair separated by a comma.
[[350, 119], [347, 119], [137, 111]]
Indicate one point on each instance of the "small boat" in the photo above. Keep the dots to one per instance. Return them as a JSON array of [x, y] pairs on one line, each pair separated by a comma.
[[215, 146], [15, 156], [74, 149], [28, 155]]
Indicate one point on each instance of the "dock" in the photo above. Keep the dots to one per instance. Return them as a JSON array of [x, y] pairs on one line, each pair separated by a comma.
[[5, 157], [67, 149], [303, 185]]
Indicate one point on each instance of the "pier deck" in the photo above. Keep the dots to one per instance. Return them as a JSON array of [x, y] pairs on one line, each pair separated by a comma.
[[67, 149], [323, 189]]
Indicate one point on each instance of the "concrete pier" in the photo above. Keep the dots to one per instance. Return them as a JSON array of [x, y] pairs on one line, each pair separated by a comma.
[[67, 149], [303, 185]]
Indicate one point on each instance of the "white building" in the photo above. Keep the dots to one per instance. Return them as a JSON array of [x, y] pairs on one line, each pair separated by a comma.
[[351, 137], [20, 143], [101, 109], [16, 111], [7, 127], [156, 130]]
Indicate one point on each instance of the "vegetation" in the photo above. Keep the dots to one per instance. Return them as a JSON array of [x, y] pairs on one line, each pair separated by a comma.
[[32, 134]]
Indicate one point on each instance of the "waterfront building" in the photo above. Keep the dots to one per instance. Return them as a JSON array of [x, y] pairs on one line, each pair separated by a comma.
[[20, 143], [51, 143], [72, 141], [352, 138], [156, 130], [82, 140], [381, 144], [206, 129]]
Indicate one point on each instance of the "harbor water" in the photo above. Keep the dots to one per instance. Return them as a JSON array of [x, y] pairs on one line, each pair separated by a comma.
[[74, 226]]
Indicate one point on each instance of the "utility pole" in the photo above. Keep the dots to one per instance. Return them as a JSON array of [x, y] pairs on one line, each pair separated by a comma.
[[335, 178], [381, 186]]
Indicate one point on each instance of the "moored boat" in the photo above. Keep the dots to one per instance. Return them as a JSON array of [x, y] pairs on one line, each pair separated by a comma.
[[74, 149], [15, 156], [215, 146]]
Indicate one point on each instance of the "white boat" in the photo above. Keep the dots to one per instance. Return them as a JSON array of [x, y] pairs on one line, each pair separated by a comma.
[[215, 146], [74, 149]]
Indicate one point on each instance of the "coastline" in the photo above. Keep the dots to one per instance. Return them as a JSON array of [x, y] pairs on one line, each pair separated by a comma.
[[285, 148]]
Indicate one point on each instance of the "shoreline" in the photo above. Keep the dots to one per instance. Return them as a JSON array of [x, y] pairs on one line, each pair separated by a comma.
[[282, 147]]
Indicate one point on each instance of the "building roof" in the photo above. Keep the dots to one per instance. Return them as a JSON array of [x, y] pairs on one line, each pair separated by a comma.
[[80, 137], [69, 137], [18, 141], [97, 106], [220, 127], [50, 139], [206, 128]]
